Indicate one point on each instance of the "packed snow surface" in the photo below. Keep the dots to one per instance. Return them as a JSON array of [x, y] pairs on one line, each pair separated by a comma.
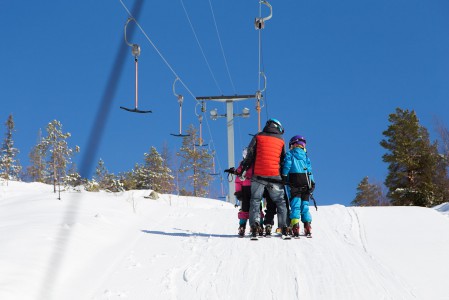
[[124, 246]]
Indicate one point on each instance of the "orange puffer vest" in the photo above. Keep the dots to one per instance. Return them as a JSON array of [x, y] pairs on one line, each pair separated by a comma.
[[268, 155]]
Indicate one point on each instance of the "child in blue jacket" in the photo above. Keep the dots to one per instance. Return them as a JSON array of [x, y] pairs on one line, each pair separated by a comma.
[[297, 171]]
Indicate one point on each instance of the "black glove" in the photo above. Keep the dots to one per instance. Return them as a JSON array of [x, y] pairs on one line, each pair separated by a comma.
[[230, 170], [313, 187], [284, 179], [238, 195]]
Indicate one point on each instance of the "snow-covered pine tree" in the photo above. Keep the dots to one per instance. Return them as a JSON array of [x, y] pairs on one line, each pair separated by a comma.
[[107, 181], [167, 186], [101, 173], [414, 162], [158, 175], [59, 154], [10, 167], [37, 171], [368, 194], [134, 179], [195, 165]]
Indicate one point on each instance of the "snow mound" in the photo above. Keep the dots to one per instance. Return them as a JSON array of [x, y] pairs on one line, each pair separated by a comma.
[[443, 208]]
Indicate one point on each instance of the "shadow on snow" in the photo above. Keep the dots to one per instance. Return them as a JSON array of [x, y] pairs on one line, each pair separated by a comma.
[[189, 234]]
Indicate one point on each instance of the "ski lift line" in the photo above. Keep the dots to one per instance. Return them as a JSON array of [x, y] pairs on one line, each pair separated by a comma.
[[157, 50], [222, 49], [46, 285], [201, 48]]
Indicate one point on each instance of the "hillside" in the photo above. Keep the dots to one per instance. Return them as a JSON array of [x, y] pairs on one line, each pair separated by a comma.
[[125, 246]]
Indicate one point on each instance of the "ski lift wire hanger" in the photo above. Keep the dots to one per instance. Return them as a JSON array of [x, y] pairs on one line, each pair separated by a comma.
[[157, 50], [180, 101], [135, 50]]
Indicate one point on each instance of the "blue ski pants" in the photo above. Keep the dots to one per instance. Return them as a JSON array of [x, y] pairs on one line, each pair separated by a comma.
[[299, 209]]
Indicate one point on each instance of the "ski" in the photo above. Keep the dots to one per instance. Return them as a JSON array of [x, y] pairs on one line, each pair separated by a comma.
[[309, 236], [286, 237], [254, 238]]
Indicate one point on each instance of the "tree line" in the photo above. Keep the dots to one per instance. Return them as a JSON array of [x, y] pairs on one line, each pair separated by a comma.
[[50, 162], [417, 168]]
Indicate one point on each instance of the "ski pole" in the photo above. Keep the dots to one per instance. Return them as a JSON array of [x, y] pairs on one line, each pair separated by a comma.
[[314, 202]]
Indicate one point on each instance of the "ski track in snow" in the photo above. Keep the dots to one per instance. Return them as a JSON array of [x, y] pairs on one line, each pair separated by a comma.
[[211, 252]]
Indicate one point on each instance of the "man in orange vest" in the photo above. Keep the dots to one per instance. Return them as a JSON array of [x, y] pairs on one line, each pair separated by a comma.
[[266, 152]]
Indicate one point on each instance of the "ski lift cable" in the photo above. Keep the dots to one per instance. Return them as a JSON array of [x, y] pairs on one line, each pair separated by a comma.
[[260, 24], [264, 90], [168, 65], [227, 69], [201, 48], [222, 49]]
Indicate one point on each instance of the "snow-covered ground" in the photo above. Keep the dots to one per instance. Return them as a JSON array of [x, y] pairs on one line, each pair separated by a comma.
[[125, 246]]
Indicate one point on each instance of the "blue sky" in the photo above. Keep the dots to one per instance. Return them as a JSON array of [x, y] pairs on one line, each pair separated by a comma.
[[335, 71]]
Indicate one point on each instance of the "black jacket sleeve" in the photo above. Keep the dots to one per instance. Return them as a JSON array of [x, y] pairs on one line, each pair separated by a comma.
[[250, 155]]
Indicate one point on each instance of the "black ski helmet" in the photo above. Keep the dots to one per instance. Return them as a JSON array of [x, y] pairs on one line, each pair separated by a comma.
[[277, 124]]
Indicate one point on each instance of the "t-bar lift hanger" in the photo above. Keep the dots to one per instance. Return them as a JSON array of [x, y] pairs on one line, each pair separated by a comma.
[[135, 50], [180, 100]]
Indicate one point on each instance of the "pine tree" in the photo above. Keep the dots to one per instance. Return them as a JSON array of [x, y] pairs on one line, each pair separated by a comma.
[[134, 179], [157, 174], [10, 168], [73, 179], [37, 171], [368, 194], [196, 164], [167, 186], [105, 180], [58, 152], [414, 163]]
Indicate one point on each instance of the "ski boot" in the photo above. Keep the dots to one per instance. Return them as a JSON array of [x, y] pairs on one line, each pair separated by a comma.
[[285, 235], [242, 231], [295, 231], [307, 230], [260, 231], [267, 230], [254, 231]]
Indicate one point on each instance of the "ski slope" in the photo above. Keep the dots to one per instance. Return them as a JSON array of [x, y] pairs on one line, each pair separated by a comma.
[[124, 246]]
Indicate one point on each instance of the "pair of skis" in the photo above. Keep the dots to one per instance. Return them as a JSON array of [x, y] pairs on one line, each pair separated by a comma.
[[284, 237]]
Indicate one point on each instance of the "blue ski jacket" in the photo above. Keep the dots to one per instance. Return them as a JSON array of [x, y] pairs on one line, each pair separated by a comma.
[[296, 162]]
